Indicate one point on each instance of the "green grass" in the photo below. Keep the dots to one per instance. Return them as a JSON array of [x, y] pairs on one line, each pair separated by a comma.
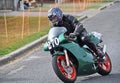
[[19, 43], [94, 7]]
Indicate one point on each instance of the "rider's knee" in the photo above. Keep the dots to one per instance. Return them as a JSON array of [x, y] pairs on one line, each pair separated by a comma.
[[86, 39]]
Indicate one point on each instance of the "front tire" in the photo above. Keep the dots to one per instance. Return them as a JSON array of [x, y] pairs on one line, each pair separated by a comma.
[[66, 74]]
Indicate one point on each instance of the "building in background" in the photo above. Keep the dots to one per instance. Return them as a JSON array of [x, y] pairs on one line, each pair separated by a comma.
[[12, 4], [8, 4]]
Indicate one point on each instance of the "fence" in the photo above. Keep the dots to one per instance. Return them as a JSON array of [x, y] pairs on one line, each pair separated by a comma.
[[6, 4], [13, 28]]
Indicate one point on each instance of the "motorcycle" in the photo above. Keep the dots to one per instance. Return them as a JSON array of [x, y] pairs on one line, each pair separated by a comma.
[[70, 60]]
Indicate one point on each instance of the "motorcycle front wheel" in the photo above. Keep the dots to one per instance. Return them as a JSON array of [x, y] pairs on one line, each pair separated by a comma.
[[66, 74]]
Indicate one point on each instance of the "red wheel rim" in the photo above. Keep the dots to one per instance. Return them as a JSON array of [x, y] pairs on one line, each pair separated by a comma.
[[69, 73], [106, 65]]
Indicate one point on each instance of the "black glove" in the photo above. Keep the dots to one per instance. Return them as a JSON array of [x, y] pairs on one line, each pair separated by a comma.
[[72, 35]]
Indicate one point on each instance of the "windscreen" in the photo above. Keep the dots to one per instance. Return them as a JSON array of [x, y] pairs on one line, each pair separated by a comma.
[[56, 31]]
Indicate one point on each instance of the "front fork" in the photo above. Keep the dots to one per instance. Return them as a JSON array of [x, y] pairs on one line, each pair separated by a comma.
[[104, 48], [67, 58]]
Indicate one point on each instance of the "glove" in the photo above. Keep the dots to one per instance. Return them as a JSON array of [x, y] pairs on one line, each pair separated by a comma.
[[72, 35]]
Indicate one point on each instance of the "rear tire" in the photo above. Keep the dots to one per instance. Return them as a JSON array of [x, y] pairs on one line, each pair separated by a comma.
[[105, 67], [66, 74]]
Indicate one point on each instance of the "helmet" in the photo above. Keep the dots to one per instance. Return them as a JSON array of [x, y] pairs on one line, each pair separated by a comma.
[[55, 15]]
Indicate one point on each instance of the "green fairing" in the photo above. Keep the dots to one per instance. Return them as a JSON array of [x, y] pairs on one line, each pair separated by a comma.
[[83, 56], [62, 38], [46, 47], [58, 53]]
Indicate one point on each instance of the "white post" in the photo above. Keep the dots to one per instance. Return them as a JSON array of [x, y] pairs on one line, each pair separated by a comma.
[[21, 4], [23, 25], [39, 22], [6, 26]]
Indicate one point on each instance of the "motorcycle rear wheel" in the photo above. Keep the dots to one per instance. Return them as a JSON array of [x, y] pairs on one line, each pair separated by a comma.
[[66, 74], [105, 67]]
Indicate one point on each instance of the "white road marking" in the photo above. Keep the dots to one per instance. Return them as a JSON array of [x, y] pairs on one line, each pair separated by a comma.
[[32, 57], [15, 71]]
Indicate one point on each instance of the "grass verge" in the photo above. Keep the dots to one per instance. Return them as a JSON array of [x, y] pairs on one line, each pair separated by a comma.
[[19, 43]]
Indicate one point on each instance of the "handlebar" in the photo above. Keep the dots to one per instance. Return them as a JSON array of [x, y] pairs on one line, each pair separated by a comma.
[[69, 38]]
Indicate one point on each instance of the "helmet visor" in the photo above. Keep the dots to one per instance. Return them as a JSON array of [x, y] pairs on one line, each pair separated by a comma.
[[53, 19]]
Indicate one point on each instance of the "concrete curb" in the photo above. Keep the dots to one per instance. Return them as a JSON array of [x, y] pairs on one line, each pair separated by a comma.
[[3, 11], [101, 8], [109, 4], [20, 52], [82, 18]]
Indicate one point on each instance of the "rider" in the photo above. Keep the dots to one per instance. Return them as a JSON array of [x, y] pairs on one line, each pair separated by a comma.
[[73, 26]]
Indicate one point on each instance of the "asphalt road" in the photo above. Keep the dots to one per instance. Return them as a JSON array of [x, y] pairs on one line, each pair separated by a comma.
[[36, 66]]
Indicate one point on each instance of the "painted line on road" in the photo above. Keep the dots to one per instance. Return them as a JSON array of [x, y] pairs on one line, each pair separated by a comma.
[[15, 71]]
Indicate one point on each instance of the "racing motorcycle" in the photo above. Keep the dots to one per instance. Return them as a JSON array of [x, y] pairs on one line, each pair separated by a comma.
[[70, 60]]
